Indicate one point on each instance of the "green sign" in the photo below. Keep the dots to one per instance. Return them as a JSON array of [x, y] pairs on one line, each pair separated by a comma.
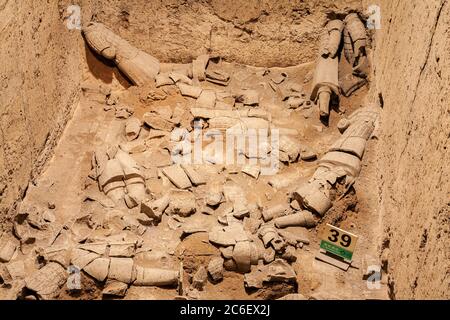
[[334, 249]]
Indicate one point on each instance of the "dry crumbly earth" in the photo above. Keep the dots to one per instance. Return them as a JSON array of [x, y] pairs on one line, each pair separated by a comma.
[[400, 203], [92, 126]]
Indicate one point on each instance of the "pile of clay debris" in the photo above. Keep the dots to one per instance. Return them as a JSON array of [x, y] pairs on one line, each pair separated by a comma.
[[250, 238]]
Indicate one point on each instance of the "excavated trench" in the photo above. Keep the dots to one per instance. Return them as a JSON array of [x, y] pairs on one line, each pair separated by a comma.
[[133, 195]]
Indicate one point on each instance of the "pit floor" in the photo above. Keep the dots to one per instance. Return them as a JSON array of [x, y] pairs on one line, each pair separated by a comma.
[[65, 179]]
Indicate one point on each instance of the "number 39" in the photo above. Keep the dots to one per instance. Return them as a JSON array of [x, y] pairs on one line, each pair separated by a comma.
[[346, 240]]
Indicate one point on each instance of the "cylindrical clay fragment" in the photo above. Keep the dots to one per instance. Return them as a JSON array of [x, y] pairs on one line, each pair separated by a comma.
[[275, 211], [156, 277], [301, 219], [326, 82], [334, 28]]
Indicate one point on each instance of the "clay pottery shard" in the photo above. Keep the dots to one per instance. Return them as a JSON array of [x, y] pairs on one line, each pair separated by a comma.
[[163, 79], [280, 271], [290, 147], [177, 176], [98, 248], [220, 237], [155, 209], [98, 269], [122, 249], [312, 198], [350, 163], [111, 173], [121, 269], [218, 77], [267, 234], [189, 90], [199, 66], [301, 219], [207, 99], [252, 170], [47, 281], [278, 77], [81, 258], [7, 250], [156, 277], [130, 167], [156, 122], [195, 176], [294, 238], [179, 77], [132, 128]]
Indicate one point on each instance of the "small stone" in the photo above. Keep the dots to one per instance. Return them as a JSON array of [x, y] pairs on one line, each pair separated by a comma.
[[307, 153], [295, 205], [182, 203], [251, 170], [214, 198], [289, 254], [51, 205], [123, 112]]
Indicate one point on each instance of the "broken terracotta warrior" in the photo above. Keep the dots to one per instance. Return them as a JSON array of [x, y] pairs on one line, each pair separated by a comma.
[[137, 65]]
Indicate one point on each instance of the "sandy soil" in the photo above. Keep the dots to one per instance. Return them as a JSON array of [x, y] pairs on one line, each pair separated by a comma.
[[92, 126], [399, 205]]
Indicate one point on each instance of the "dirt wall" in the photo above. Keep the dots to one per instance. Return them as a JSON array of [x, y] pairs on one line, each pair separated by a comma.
[[255, 32], [412, 77], [39, 81]]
